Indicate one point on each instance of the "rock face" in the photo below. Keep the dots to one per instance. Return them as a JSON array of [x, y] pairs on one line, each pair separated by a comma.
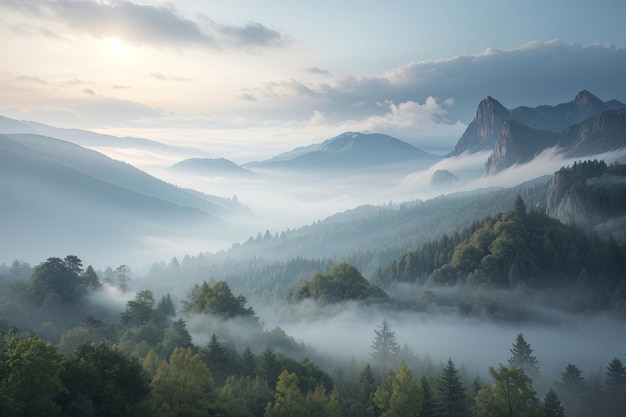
[[564, 202], [591, 195], [517, 144], [483, 132], [603, 132]]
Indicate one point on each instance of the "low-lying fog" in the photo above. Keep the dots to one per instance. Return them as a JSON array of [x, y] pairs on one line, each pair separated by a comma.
[[347, 330]]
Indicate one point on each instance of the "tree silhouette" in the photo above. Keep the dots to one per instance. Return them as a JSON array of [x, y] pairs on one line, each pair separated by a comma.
[[385, 348]]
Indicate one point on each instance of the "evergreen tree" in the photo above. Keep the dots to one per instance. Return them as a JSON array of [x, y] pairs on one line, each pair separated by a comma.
[[269, 368], [572, 389], [521, 356], [552, 406], [248, 362], [616, 388], [450, 393], [216, 358], [385, 348], [366, 388], [89, 278], [428, 403]]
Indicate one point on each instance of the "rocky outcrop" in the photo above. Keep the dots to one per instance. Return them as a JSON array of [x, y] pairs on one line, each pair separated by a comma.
[[443, 177], [483, 132]]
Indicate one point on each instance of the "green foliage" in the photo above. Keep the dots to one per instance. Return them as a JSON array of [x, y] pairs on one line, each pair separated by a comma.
[[55, 281], [406, 395], [30, 377], [141, 309], [511, 395], [217, 299], [289, 401], [183, 386], [450, 397], [343, 283], [108, 380]]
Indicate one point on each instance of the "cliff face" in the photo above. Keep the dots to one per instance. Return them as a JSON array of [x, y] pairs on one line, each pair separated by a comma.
[[564, 202], [591, 195], [517, 144], [602, 132], [481, 134]]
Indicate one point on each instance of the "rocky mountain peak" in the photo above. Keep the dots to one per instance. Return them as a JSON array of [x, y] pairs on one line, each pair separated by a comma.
[[485, 129], [585, 98]]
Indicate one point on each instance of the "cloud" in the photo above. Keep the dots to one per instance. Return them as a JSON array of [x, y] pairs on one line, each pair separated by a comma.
[[316, 70], [251, 36], [149, 25], [35, 80], [161, 77], [535, 73], [89, 91]]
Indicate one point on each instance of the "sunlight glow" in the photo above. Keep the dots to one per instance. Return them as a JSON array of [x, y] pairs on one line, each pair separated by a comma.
[[115, 46]]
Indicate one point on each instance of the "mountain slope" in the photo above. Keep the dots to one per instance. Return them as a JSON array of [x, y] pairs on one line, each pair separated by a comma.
[[58, 195]]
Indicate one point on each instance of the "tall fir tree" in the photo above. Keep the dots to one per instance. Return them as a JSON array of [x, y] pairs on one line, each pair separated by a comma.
[[522, 357], [385, 348], [450, 393]]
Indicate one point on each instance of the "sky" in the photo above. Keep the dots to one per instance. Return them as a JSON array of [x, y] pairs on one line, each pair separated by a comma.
[[247, 79]]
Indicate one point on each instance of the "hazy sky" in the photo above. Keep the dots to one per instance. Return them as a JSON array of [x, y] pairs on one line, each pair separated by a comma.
[[248, 79]]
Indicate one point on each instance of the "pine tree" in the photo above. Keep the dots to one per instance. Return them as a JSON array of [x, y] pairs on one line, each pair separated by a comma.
[[521, 357], [450, 393], [385, 348], [552, 406]]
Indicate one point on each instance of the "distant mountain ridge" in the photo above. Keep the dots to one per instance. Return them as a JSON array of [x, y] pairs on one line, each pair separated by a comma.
[[211, 167], [56, 194], [347, 151], [582, 127]]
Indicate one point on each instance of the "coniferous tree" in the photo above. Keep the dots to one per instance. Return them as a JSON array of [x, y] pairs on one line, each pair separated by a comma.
[[616, 388], [552, 406], [428, 403], [572, 389], [522, 357], [385, 348], [216, 358], [450, 393]]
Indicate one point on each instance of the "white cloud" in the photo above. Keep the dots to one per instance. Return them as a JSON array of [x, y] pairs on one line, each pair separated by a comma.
[[144, 25]]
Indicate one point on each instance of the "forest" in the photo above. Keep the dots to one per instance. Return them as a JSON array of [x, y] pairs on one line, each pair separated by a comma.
[[186, 339]]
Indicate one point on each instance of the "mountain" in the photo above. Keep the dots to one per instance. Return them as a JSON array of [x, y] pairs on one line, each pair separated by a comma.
[[211, 167], [58, 196], [348, 152], [483, 132], [443, 177], [486, 128], [88, 139], [557, 118], [518, 143]]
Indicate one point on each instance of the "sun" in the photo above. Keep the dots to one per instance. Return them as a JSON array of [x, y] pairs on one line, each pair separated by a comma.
[[115, 45]]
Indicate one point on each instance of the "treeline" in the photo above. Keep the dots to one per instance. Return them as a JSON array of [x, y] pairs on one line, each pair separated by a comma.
[[100, 379]]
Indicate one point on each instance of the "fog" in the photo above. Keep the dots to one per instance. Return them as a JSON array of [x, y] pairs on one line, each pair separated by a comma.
[[346, 331]]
